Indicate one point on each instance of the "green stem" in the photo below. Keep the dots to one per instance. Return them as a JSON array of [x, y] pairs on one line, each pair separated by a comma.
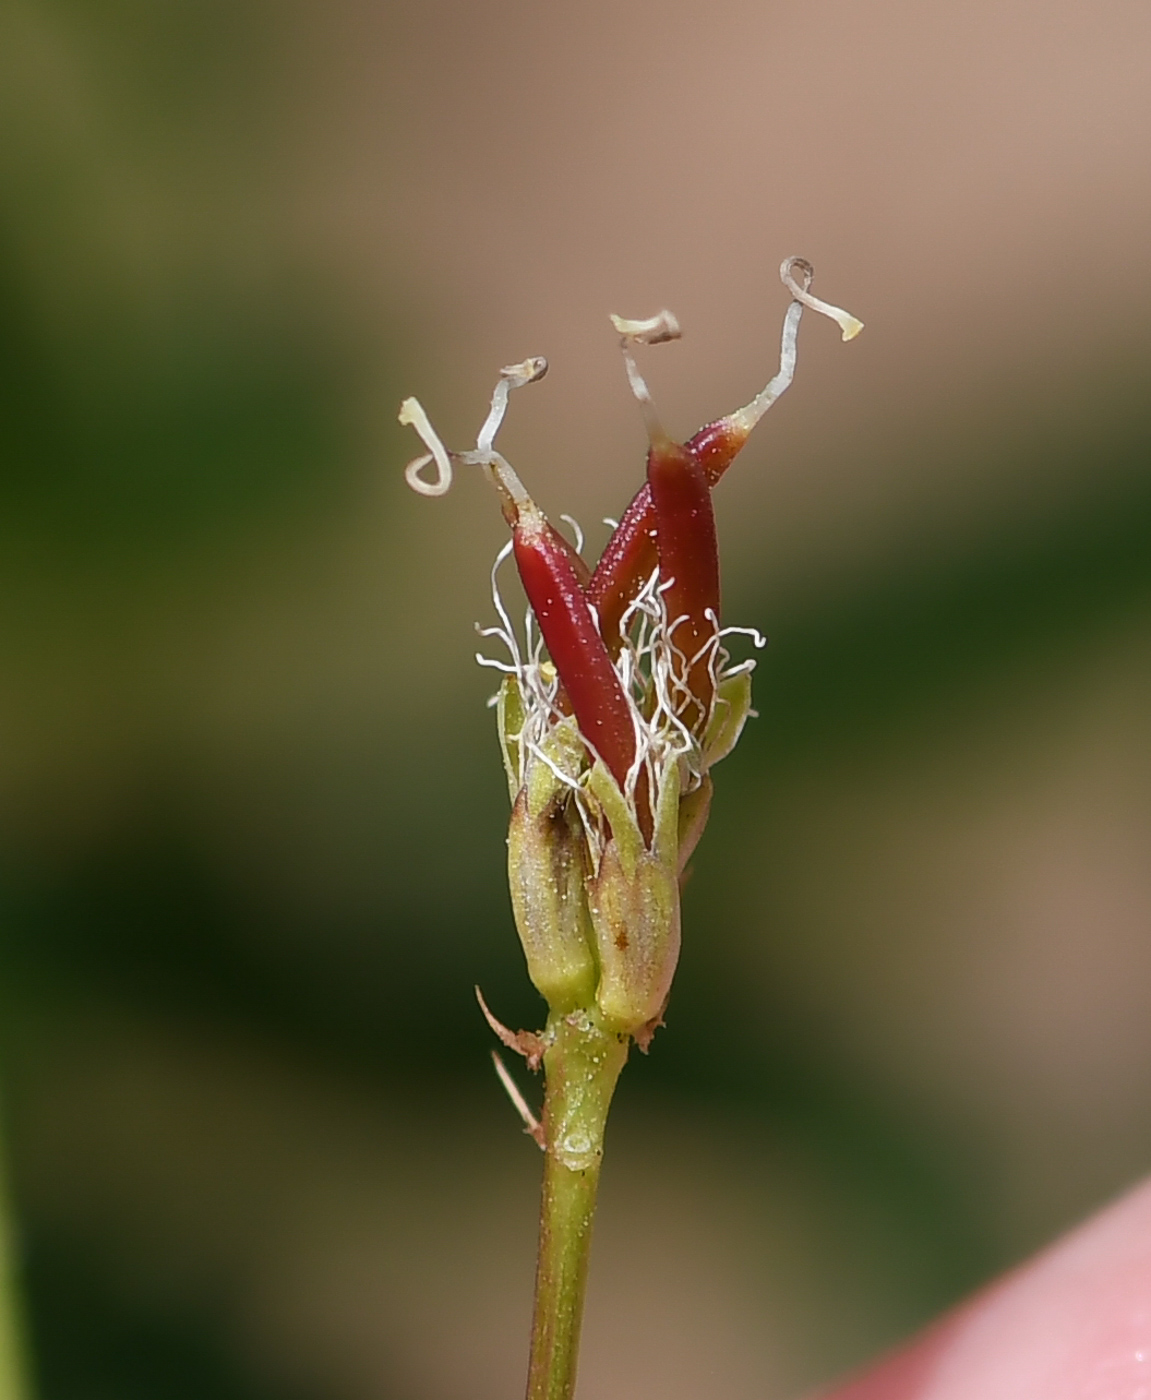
[[582, 1063], [13, 1362]]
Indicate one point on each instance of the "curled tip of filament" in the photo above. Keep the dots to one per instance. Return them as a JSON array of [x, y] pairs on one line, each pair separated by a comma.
[[787, 270], [412, 415], [511, 377], [526, 372], [655, 330], [849, 325]]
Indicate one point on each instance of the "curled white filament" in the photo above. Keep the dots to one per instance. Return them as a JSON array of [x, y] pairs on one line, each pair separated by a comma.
[[412, 415], [850, 325]]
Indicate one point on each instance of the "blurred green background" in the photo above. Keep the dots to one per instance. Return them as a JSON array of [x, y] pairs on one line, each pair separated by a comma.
[[252, 815]]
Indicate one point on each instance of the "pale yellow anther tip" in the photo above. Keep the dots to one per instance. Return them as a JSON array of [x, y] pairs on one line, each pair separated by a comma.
[[526, 372], [655, 330], [849, 325]]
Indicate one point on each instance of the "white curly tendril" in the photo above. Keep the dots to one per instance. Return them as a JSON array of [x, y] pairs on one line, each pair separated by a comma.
[[484, 454], [650, 666]]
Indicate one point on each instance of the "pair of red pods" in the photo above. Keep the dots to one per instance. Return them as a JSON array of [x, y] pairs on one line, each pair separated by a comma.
[[669, 529]]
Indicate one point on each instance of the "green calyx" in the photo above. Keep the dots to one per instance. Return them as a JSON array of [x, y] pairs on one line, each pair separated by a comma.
[[597, 906]]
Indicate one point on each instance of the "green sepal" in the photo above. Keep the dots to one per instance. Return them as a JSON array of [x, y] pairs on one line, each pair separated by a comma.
[[565, 751], [634, 904], [729, 715], [620, 815], [547, 874], [509, 724], [694, 810]]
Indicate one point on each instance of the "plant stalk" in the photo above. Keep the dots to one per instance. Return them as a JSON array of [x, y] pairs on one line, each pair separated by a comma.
[[582, 1064], [14, 1384]]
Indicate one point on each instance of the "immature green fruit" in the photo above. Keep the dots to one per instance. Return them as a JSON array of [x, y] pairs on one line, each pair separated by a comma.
[[634, 903], [637, 924], [546, 873], [547, 859]]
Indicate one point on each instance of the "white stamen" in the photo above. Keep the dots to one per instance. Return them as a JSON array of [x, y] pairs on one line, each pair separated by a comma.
[[566, 778], [850, 325], [412, 415], [759, 641], [511, 377], [636, 380], [655, 330], [576, 530], [652, 670], [506, 631], [747, 417]]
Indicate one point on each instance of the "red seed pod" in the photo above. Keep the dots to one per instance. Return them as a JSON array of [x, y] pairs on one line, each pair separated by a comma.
[[568, 626], [688, 563], [568, 550], [631, 554], [716, 446], [628, 561]]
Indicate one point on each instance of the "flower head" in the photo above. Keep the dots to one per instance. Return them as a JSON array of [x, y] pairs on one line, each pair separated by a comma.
[[619, 695]]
